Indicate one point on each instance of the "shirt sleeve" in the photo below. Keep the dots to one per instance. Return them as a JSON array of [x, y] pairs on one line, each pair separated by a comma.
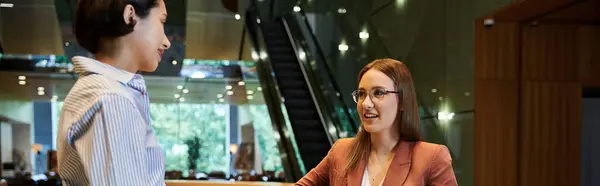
[[113, 148]]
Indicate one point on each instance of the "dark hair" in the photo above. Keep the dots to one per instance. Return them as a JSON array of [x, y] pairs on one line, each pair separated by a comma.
[[407, 115], [98, 19]]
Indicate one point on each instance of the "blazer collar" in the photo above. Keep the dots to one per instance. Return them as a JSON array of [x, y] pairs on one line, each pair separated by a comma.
[[397, 172]]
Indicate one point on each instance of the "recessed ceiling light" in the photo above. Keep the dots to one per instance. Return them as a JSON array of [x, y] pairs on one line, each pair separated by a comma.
[[185, 91], [249, 92], [22, 82], [434, 90], [237, 17], [228, 87], [230, 92], [41, 93], [176, 96], [250, 97], [343, 47], [341, 10], [179, 87], [6, 5], [221, 100], [297, 8], [182, 99], [363, 35], [22, 77], [259, 88], [219, 95], [174, 62], [241, 83], [41, 89]]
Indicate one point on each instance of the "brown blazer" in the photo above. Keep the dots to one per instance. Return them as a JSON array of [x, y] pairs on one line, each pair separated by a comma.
[[431, 164]]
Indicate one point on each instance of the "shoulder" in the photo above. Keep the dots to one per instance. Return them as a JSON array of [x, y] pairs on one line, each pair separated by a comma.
[[431, 153], [91, 90], [342, 144], [430, 150]]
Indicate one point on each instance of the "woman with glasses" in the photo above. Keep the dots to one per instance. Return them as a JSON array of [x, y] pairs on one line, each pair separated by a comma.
[[388, 149]]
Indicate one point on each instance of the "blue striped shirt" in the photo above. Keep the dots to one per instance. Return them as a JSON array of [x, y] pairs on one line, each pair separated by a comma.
[[104, 134]]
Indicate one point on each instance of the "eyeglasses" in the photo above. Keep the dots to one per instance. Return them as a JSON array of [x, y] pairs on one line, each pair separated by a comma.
[[376, 94]]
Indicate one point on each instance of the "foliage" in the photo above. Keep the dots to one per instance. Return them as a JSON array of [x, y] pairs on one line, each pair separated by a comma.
[[194, 145]]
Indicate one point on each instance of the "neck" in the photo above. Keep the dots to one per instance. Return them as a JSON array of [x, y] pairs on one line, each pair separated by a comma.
[[116, 53], [383, 142]]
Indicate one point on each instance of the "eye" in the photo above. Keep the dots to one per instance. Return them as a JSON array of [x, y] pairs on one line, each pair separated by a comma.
[[361, 94], [378, 92]]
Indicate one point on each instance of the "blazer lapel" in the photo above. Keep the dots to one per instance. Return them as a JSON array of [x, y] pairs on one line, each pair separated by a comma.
[[354, 178], [399, 168]]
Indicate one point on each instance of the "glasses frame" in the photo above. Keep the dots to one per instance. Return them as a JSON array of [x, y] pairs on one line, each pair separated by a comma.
[[356, 100]]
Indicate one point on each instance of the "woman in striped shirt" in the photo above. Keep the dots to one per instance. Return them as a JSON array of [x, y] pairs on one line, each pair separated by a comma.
[[105, 136]]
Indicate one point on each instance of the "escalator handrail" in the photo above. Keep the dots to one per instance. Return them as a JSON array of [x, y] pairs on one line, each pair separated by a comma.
[[328, 70], [289, 159]]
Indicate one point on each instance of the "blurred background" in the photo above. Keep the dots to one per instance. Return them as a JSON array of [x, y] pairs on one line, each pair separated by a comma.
[[256, 91]]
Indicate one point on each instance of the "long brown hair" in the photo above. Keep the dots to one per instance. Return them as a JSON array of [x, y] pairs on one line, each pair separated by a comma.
[[407, 116]]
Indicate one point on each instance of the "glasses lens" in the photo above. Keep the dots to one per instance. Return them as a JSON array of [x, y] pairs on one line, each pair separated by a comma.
[[378, 93], [359, 95]]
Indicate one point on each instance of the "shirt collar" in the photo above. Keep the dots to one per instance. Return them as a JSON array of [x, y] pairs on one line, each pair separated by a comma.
[[84, 65]]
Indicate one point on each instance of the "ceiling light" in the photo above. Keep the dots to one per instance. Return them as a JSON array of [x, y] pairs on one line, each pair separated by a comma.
[[230, 92], [174, 62], [250, 92], [241, 83], [237, 17], [22, 82], [263, 55], [297, 8], [67, 43], [221, 100], [467, 94], [179, 87], [22, 77], [250, 97], [182, 99], [219, 95], [341, 10], [434, 90], [445, 116], [343, 47], [255, 55], [363, 35], [177, 96], [228, 87], [257, 20], [302, 55], [41, 89], [185, 91], [54, 98], [6, 5], [41, 93], [259, 88], [198, 75]]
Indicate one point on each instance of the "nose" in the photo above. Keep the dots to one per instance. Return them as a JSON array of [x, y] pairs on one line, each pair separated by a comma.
[[166, 43], [367, 102]]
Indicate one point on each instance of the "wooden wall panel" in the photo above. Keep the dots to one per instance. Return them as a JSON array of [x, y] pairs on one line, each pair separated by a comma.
[[496, 99], [588, 39], [550, 127], [550, 106], [495, 132], [496, 53]]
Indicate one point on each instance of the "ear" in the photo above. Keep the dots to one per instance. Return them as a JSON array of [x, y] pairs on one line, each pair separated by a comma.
[[129, 15]]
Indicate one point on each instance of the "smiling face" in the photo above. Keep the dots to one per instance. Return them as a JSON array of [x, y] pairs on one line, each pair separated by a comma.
[[377, 107], [149, 37]]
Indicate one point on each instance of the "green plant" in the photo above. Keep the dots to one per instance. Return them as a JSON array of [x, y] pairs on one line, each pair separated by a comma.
[[194, 145]]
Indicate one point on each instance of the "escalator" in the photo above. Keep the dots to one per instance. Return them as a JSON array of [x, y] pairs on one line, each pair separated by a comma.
[[311, 138], [302, 104]]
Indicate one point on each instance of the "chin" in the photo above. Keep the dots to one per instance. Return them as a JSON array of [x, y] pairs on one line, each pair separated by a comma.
[[150, 68], [372, 127]]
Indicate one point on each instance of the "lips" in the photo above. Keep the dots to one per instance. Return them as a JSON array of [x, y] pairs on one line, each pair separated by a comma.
[[370, 115], [160, 53]]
